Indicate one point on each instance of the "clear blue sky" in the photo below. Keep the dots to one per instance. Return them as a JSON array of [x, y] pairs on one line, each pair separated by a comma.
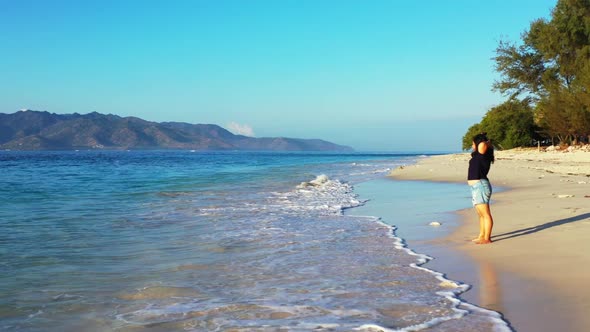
[[376, 75]]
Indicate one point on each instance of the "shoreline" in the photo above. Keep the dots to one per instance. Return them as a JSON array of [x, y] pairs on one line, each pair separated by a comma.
[[537, 270], [395, 203]]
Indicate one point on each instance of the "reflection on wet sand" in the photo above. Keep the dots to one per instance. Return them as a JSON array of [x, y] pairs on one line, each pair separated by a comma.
[[490, 296]]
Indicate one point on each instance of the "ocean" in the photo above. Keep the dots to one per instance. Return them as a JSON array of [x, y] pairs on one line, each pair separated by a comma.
[[217, 241]]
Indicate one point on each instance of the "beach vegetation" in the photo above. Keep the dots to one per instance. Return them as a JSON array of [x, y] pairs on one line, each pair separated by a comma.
[[508, 125], [548, 69]]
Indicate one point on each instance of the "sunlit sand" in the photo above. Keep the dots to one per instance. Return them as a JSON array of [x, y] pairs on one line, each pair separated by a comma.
[[541, 208]]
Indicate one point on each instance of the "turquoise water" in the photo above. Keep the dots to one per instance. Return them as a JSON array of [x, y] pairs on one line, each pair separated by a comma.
[[179, 240], [412, 205]]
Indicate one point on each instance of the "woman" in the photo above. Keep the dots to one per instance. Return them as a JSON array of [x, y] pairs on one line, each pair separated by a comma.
[[481, 190]]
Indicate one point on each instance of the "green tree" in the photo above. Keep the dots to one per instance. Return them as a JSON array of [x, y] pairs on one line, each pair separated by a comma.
[[564, 115], [552, 69], [508, 125]]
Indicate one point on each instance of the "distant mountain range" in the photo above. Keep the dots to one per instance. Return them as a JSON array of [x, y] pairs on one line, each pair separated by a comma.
[[33, 130]]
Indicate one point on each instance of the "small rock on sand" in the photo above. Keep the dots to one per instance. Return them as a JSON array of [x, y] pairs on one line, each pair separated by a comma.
[[565, 196]]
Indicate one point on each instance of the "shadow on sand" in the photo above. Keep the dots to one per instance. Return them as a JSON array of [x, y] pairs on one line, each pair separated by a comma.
[[534, 229]]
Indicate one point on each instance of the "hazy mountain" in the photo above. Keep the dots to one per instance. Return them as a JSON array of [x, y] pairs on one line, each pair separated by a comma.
[[33, 130]]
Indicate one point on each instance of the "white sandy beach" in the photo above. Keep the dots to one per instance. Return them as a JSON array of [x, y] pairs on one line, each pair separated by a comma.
[[538, 268]]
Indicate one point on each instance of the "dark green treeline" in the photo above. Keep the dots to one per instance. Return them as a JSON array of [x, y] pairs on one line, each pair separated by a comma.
[[546, 79]]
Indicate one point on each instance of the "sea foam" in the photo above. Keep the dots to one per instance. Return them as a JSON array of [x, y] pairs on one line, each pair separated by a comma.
[[211, 241]]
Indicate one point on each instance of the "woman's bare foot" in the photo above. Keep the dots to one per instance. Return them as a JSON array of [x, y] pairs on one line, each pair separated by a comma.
[[483, 241], [477, 239]]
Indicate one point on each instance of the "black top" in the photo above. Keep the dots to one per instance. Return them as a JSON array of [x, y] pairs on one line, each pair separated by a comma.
[[479, 166]]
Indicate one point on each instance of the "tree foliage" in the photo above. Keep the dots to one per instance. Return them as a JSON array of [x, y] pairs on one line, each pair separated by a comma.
[[508, 125], [550, 69], [563, 115]]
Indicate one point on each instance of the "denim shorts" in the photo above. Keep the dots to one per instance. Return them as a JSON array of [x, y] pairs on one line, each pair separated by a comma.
[[481, 192]]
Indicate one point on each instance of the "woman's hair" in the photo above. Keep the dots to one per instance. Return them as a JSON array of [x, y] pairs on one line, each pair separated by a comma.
[[483, 137]]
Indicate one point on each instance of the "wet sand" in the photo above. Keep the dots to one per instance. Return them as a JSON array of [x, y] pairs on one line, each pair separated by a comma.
[[537, 270]]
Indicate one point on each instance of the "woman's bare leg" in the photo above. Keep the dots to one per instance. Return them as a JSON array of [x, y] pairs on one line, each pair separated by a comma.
[[488, 223], [481, 226]]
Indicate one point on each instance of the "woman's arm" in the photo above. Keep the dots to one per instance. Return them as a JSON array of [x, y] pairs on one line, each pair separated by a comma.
[[482, 147]]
